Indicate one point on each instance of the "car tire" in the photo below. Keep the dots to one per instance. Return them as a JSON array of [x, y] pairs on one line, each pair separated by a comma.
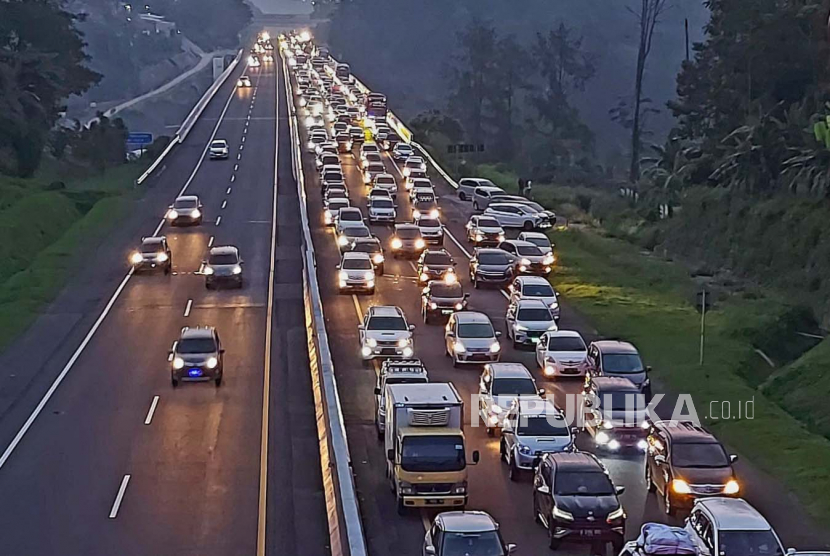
[[513, 471], [462, 196], [536, 517], [475, 205], [553, 543], [218, 381], [380, 270], [174, 381], [167, 271], [400, 507], [528, 226], [503, 453]]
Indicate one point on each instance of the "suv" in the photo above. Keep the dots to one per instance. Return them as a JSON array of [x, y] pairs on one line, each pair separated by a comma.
[[533, 427], [481, 196], [491, 266], [407, 240], [382, 209], [538, 239], [385, 333], [185, 210], [731, 527], [470, 338], [466, 187], [401, 371], [442, 298], [223, 265], [532, 260], [436, 264], [616, 358], [685, 461], [617, 415], [154, 252], [499, 386], [483, 231], [197, 356], [454, 533], [515, 215], [574, 498], [357, 273], [527, 320]]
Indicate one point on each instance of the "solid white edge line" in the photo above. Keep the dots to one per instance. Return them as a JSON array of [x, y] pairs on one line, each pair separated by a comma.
[[233, 179], [218, 220], [119, 497], [188, 307], [152, 411], [228, 191], [224, 204], [210, 241]]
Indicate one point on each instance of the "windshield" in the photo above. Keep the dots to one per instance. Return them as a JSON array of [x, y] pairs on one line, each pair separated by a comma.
[[558, 343], [429, 223], [185, 203], [446, 290], [538, 290], [620, 401], [196, 345], [514, 387], [357, 264], [621, 363], [387, 323], [432, 453], [543, 426], [408, 233], [493, 259], [385, 181], [488, 223], [537, 315], [437, 259], [382, 203], [704, 455], [748, 543], [528, 250], [539, 242], [367, 247], [486, 543], [333, 176], [224, 258], [404, 148], [476, 330], [583, 483]]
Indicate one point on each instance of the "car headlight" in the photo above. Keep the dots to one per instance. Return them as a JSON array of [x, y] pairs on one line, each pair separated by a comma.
[[342, 241], [212, 362], [208, 270], [459, 306], [496, 408], [680, 486], [458, 347], [645, 425], [607, 425], [419, 243], [239, 83], [549, 370], [548, 260], [520, 327], [424, 277], [525, 450], [195, 213], [396, 243], [403, 342], [327, 217], [344, 275], [732, 487], [495, 347], [369, 275], [406, 172], [501, 236], [479, 237], [434, 213], [460, 488], [310, 143], [371, 342], [161, 257], [173, 214], [136, 258], [178, 363], [619, 513], [450, 277], [406, 488], [525, 262], [378, 258], [433, 305], [416, 214], [562, 514], [407, 351], [602, 438], [237, 269]]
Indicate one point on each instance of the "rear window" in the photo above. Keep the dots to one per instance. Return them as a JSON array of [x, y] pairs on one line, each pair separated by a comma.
[[224, 258], [386, 180], [429, 223], [196, 345]]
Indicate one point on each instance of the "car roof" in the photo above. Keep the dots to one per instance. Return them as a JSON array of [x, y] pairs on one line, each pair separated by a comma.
[[373, 240], [190, 332], [466, 522], [528, 280], [537, 235], [468, 317], [385, 175], [502, 204], [356, 255], [219, 141], [508, 370], [407, 227], [491, 250], [734, 513], [224, 250], [535, 405], [351, 209], [520, 243], [576, 461], [614, 346], [385, 311], [531, 303], [152, 240], [490, 188], [686, 432], [615, 383], [564, 334]]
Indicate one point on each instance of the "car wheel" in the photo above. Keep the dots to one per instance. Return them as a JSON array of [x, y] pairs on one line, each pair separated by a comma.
[[218, 381], [489, 431], [503, 450], [536, 517], [553, 542], [167, 270], [174, 382], [649, 482], [475, 283], [667, 502], [380, 270], [513, 471], [528, 226]]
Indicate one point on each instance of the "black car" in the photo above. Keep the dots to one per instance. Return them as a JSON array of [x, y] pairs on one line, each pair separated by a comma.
[[617, 358], [492, 266], [153, 253], [372, 246], [441, 298], [574, 498], [435, 264]]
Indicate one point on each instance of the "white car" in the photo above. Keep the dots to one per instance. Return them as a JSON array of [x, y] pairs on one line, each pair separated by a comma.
[[370, 158], [431, 230], [482, 195], [243, 82], [511, 215], [372, 170], [219, 149], [414, 164], [402, 151], [385, 333], [333, 209], [731, 527], [357, 273], [369, 147], [500, 384], [538, 239], [327, 159], [316, 139], [561, 353], [535, 287], [388, 183], [470, 338], [382, 209], [527, 320], [467, 186], [350, 216]]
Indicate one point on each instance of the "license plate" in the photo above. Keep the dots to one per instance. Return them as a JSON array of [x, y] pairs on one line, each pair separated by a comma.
[[591, 532], [387, 351], [194, 372], [535, 340], [446, 311], [435, 502]]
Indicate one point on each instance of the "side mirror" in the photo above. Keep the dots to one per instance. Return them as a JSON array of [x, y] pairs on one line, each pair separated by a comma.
[[377, 391], [541, 392], [574, 431], [660, 459], [648, 368], [337, 267], [476, 457], [543, 489], [412, 328], [467, 295], [454, 263], [511, 548], [450, 334], [619, 490], [733, 458], [498, 334], [360, 327], [390, 454]]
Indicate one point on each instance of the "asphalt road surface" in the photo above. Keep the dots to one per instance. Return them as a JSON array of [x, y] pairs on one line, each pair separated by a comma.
[[117, 461]]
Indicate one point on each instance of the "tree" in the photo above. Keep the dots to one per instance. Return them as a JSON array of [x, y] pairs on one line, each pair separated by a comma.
[[512, 67], [102, 144], [648, 17], [473, 77]]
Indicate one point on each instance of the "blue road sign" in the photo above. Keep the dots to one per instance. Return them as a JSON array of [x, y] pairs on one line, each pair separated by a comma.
[[140, 139]]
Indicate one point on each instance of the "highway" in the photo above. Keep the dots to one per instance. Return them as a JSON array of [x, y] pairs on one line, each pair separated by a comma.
[[110, 459]]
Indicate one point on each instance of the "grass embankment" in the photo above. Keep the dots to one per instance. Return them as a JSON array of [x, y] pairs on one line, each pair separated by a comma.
[[651, 303], [43, 232]]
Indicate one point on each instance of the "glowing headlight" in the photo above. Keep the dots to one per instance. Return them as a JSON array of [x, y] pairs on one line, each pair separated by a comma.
[[342, 241], [377, 259], [549, 370], [178, 363], [495, 347], [493, 420], [403, 342], [496, 408], [161, 257], [237, 269], [562, 514], [433, 305], [136, 258], [416, 214], [195, 213], [366, 352], [396, 243], [501, 237], [680, 486], [732, 487], [371, 342], [607, 425], [603, 438], [327, 217], [239, 83], [548, 260], [645, 425], [173, 214], [407, 352], [406, 172], [424, 277], [525, 262], [208, 270], [369, 275], [614, 444], [458, 347], [434, 213], [344, 275], [616, 514], [479, 237], [419, 243], [212, 362], [459, 306], [310, 143]]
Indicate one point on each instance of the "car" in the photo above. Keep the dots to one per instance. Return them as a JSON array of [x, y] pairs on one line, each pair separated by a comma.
[[218, 149], [575, 500], [186, 210], [685, 462], [467, 187], [469, 337], [327, 147], [382, 209], [357, 273], [538, 239], [356, 133], [349, 234], [327, 159], [372, 170], [436, 264], [378, 193], [385, 333], [532, 260], [532, 427], [483, 231], [535, 287], [407, 240], [335, 191], [425, 204], [344, 142], [387, 183], [527, 320], [316, 138], [367, 148], [431, 230], [371, 246], [732, 527], [333, 209], [197, 356], [243, 82], [499, 385], [395, 371], [491, 266], [314, 122], [548, 216], [414, 164], [153, 253], [616, 414], [369, 158], [389, 142], [417, 178], [513, 215], [402, 151], [340, 127], [482, 194], [223, 266], [561, 353], [617, 358], [442, 298], [254, 62], [462, 533], [349, 216]]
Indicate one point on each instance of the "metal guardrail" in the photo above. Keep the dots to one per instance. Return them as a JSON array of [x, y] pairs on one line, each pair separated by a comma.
[[345, 524], [191, 118]]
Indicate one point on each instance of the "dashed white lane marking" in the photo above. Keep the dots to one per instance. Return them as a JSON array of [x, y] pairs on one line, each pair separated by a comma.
[[233, 178], [119, 497], [210, 242], [188, 307], [218, 220], [239, 156], [152, 411], [241, 147], [243, 138], [228, 191], [224, 204], [235, 167]]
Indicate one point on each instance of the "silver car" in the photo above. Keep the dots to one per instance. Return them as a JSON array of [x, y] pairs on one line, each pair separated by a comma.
[[535, 287], [456, 533], [527, 320], [500, 384], [467, 186], [223, 266], [470, 338], [356, 272], [533, 427], [538, 239], [218, 149], [382, 210], [385, 333]]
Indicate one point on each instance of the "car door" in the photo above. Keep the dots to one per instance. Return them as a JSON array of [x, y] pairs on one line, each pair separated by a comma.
[[510, 316], [507, 246], [485, 395], [450, 336], [509, 430], [658, 460], [541, 350], [543, 488]]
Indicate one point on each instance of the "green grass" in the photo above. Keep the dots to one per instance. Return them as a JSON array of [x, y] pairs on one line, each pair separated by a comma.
[[650, 303]]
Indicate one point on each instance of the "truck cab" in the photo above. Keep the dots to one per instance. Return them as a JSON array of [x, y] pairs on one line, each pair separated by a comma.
[[405, 371]]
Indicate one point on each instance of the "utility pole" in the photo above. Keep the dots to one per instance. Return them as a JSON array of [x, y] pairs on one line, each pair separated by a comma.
[[687, 39]]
